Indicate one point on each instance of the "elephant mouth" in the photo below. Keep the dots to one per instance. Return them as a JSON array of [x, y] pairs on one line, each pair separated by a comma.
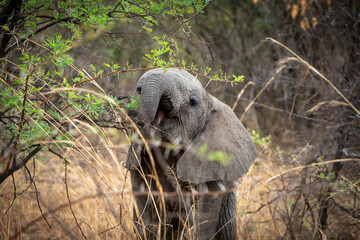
[[164, 112]]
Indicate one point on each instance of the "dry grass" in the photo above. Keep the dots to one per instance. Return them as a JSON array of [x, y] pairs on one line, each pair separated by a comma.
[[95, 180], [102, 203], [279, 199]]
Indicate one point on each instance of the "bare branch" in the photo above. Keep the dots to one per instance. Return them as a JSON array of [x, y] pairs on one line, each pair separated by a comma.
[[37, 196], [4, 175]]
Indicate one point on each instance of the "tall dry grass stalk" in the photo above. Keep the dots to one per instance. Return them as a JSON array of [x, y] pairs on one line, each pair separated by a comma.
[[81, 189], [274, 199]]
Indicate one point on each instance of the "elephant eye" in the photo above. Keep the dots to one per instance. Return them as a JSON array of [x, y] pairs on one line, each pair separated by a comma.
[[138, 89], [194, 100]]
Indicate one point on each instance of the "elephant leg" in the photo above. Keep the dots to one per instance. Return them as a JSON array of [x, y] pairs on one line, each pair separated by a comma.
[[226, 228], [207, 211]]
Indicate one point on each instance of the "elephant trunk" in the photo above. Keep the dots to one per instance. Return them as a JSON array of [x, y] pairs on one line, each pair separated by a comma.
[[151, 93]]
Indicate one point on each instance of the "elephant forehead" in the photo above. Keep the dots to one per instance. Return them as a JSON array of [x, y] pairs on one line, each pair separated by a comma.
[[182, 77]]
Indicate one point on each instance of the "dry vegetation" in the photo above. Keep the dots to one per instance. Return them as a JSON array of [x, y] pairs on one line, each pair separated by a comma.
[[304, 183], [88, 195], [90, 187]]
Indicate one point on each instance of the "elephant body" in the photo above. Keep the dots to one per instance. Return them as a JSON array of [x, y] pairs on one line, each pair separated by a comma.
[[183, 176]]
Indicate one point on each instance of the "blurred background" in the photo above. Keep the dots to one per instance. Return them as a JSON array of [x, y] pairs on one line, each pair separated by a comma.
[[61, 149]]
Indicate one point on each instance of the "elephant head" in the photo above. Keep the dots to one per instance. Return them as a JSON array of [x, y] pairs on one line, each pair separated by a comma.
[[176, 108]]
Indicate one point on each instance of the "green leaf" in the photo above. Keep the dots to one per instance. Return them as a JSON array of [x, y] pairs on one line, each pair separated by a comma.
[[147, 29], [220, 157], [134, 102], [238, 78], [202, 150]]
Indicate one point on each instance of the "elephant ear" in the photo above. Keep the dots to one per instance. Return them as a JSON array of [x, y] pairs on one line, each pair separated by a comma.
[[133, 158], [223, 150]]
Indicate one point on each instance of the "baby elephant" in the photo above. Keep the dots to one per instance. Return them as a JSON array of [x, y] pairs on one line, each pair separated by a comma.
[[183, 178]]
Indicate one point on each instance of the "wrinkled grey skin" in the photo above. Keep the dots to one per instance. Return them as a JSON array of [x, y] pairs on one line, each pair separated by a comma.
[[175, 108]]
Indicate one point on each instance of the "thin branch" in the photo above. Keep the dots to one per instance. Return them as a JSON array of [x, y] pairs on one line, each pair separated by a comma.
[[114, 10], [351, 212], [352, 155], [262, 205], [187, 20], [31, 180], [12, 202], [317, 72], [121, 225], [121, 215], [284, 111], [38, 201], [36, 32], [11, 7], [241, 93], [261, 91], [312, 165], [22, 123], [105, 124], [57, 154], [16, 167], [54, 210], [68, 197]]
